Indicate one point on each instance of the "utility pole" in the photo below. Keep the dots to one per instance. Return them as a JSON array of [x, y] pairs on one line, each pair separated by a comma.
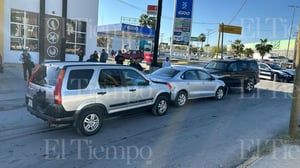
[[157, 30], [291, 28], [293, 127]]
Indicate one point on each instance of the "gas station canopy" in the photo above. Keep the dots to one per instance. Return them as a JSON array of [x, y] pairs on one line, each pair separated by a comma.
[[123, 30]]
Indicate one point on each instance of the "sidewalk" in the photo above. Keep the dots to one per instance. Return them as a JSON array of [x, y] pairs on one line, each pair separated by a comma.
[[280, 153]]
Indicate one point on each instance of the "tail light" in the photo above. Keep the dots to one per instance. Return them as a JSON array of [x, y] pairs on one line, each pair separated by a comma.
[[169, 85], [57, 90]]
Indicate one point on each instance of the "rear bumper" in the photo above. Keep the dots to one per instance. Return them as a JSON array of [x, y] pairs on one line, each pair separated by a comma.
[[52, 113]]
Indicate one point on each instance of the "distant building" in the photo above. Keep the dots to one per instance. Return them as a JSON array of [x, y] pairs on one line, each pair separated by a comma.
[[279, 47], [21, 28]]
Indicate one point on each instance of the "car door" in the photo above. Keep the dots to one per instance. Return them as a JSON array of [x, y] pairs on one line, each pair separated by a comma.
[[195, 86], [111, 91], [265, 71], [140, 92], [236, 76], [208, 84]]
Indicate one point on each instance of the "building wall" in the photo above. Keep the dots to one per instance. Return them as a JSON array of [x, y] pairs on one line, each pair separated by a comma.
[[1, 27], [87, 12]]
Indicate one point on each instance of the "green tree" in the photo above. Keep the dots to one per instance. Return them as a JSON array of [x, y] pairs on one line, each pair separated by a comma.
[[248, 52], [263, 47], [202, 39], [147, 21], [237, 47]]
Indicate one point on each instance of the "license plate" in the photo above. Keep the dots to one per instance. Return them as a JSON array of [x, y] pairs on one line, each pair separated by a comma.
[[29, 103]]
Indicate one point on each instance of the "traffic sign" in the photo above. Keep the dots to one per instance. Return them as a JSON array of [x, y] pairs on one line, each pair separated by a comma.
[[230, 29]]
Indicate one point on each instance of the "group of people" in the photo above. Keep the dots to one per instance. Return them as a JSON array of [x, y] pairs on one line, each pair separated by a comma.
[[95, 58]]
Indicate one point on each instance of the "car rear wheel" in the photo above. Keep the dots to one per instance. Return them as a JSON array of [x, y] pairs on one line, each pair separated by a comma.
[[249, 86], [180, 99], [219, 93], [161, 105], [89, 122]]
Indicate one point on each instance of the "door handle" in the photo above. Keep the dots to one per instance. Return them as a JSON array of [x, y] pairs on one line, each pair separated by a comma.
[[101, 93], [132, 90]]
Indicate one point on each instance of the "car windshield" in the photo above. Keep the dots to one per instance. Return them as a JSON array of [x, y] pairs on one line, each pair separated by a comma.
[[166, 72], [276, 67], [216, 65]]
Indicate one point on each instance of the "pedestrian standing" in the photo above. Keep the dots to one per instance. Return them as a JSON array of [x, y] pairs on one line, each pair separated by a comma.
[[119, 58], [136, 64], [103, 56], [80, 55], [27, 64], [166, 63]]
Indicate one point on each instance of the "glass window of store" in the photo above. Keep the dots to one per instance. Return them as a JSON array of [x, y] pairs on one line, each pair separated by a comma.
[[76, 36], [23, 30]]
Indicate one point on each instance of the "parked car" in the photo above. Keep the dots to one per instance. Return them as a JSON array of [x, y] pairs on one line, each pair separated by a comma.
[[189, 82], [133, 54], [275, 72], [83, 93], [1, 66], [236, 72]]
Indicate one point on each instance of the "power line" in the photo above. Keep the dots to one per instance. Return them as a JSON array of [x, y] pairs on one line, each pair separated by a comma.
[[238, 12]]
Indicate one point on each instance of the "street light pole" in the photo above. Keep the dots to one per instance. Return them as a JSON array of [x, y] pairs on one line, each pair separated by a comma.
[[291, 29]]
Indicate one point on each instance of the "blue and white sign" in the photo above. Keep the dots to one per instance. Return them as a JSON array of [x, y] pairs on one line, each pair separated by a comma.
[[184, 8], [182, 22]]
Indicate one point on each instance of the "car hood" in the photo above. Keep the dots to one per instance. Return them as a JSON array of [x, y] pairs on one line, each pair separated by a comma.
[[212, 71], [289, 71]]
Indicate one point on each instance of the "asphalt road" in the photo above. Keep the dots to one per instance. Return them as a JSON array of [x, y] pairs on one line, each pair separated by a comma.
[[205, 133]]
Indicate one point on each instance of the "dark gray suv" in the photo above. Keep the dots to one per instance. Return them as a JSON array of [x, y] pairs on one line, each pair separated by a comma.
[[83, 93], [236, 72]]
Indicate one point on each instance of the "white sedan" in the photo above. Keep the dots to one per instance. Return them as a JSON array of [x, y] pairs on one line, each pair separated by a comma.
[[189, 82]]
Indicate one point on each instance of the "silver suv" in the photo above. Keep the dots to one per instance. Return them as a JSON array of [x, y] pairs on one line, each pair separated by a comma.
[[84, 93]]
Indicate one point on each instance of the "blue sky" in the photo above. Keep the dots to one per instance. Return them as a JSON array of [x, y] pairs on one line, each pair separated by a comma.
[[269, 19]]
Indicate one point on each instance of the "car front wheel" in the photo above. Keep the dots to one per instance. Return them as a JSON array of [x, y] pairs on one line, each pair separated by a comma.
[[161, 105], [249, 86], [219, 93], [89, 122]]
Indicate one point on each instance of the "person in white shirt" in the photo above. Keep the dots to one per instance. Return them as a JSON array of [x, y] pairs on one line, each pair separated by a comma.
[[166, 63]]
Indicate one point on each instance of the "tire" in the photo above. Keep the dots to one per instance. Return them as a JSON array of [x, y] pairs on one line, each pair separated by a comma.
[[220, 93], [180, 99], [161, 105], [89, 122], [248, 86]]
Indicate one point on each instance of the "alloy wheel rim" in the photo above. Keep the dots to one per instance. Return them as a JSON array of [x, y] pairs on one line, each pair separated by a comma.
[[181, 99], [162, 106], [91, 122]]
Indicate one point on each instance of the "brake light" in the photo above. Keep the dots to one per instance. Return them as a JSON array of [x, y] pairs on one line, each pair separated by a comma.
[[33, 75], [57, 90], [169, 85]]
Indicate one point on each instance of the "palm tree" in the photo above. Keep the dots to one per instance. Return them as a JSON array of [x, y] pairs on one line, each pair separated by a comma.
[[263, 47], [237, 48], [147, 21], [202, 39], [248, 52]]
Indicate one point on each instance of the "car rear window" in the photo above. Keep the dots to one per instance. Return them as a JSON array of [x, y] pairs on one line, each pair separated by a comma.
[[46, 75], [166, 72]]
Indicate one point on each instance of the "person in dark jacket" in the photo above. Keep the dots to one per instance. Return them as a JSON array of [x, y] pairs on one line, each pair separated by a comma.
[[27, 64], [119, 58], [136, 64]]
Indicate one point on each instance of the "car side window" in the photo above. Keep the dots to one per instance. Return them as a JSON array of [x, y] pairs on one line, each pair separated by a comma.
[[232, 67], [190, 75], [133, 78], [79, 79], [204, 75], [109, 78], [264, 67]]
